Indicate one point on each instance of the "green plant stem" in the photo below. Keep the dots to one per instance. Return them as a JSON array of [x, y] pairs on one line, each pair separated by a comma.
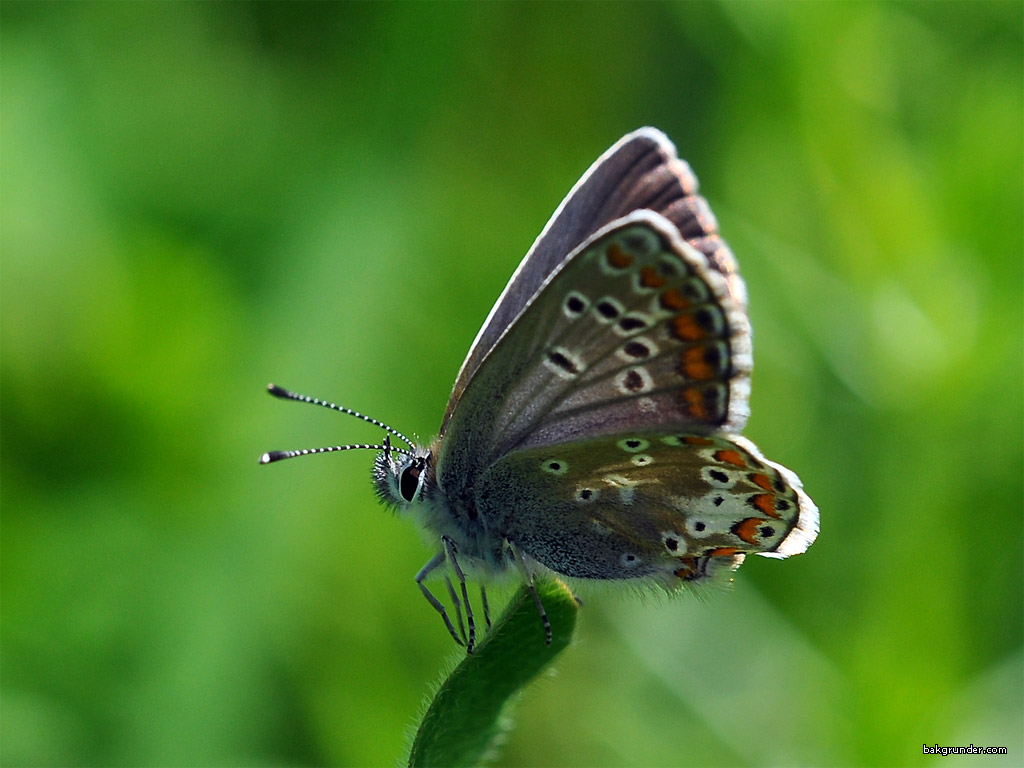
[[462, 719]]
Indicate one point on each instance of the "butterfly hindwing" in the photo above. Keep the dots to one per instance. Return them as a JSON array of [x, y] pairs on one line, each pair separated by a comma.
[[670, 507]]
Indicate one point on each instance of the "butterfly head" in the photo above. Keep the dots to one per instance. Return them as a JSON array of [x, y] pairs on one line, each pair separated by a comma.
[[401, 477]]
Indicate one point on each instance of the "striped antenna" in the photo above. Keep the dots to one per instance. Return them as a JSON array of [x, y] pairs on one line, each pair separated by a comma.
[[271, 456], [284, 394]]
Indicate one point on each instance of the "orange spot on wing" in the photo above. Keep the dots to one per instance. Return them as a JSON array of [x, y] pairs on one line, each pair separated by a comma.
[[747, 529], [695, 366], [618, 258], [685, 327], [762, 481], [694, 440], [766, 503], [727, 456], [649, 278], [724, 552], [693, 399], [674, 299], [688, 568]]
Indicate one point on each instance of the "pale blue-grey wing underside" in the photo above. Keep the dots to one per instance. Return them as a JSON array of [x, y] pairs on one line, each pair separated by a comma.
[[641, 171], [632, 331]]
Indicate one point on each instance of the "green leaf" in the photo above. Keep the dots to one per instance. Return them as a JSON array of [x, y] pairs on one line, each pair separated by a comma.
[[462, 719]]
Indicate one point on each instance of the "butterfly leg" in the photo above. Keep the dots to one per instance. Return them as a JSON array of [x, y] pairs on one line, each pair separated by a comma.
[[487, 608], [449, 548], [540, 609], [457, 604], [533, 592], [425, 571]]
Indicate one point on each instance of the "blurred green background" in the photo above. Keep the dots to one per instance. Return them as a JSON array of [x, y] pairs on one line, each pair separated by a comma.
[[200, 198]]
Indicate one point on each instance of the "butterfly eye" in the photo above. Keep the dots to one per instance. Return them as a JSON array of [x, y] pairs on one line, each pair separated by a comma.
[[409, 482]]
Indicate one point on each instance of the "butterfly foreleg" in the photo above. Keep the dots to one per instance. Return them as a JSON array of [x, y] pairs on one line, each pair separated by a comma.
[[450, 551], [457, 604], [425, 571]]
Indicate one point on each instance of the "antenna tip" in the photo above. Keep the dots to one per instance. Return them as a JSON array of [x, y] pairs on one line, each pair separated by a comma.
[[277, 391], [271, 456]]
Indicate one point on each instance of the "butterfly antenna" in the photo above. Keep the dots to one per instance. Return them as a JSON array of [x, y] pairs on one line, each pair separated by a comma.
[[286, 394], [272, 456]]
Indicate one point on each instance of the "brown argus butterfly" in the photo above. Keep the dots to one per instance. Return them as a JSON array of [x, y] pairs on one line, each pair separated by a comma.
[[594, 429]]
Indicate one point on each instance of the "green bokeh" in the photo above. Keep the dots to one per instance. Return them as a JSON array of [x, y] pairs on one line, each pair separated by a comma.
[[200, 198]]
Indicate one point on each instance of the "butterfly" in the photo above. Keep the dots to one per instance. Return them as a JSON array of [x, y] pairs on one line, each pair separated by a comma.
[[593, 431]]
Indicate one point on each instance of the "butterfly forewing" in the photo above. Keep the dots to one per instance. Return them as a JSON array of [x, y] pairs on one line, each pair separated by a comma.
[[633, 332], [672, 507], [640, 171], [647, 337]]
